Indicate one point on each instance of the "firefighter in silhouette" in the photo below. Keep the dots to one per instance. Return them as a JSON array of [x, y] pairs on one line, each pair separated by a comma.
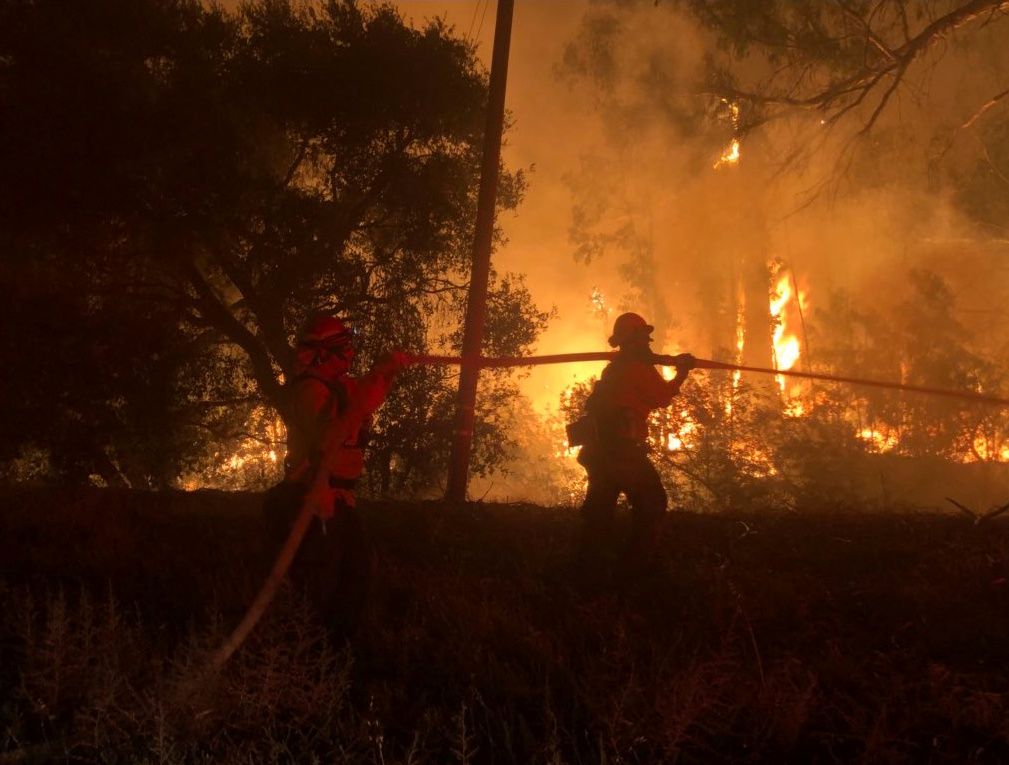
[[615, 454], [328, 413]]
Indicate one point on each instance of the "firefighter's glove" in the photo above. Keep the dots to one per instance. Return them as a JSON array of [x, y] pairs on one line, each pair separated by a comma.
[[684, 362]]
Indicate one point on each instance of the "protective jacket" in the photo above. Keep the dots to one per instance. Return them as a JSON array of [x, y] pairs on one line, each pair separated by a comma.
[[628, 390], [320, 408]]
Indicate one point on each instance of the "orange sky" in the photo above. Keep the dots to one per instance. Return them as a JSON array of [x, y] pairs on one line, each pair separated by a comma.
[[549, 132]]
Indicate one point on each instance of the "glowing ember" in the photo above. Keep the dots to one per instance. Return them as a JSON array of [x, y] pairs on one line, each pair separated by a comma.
[[794, 408], [681, 439], [598, 303], [986, 451], [740, 326], [876, 441], [730, 156], [255, 456]]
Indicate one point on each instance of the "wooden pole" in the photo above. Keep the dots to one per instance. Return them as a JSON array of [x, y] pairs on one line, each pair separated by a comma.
[[476, 306]]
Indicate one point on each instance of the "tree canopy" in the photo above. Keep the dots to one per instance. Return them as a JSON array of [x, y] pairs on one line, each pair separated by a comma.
[[183, 186]]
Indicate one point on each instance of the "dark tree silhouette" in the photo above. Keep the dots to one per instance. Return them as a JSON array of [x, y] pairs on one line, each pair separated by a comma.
[[193, 183]]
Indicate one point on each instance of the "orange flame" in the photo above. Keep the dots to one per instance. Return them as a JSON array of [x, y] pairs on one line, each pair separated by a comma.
[[877, 441], [730, 155], [784, 305], [732, 152]]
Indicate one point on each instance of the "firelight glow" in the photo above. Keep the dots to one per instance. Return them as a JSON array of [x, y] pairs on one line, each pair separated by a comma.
[[730, 156], [787, 348]]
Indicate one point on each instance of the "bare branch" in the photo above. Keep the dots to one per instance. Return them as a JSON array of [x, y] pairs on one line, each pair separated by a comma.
[[897, 78], [848, 92], [965, 510], [299, 157], [991, 163], [984, 108], [995, 512], [216, 312], [871, 36]]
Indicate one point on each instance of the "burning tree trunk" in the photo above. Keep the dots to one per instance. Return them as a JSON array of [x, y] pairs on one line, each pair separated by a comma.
[[758, 348]]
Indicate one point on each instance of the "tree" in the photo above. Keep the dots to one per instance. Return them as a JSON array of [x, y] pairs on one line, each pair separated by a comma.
[[240, 172], [836, 57], [918, 340]]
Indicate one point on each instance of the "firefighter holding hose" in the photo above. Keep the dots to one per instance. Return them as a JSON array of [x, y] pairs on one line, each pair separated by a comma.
[[328, 416], [614, 442]]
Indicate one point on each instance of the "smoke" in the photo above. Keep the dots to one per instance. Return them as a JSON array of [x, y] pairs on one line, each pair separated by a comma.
[[626, 209]]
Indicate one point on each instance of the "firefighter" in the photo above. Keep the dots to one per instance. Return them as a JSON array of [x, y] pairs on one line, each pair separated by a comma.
[[616, 457], [328, 413]]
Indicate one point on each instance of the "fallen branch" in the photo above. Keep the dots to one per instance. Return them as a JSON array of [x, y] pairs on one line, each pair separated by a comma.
[[963, 509], [978, 519], [995, 512]]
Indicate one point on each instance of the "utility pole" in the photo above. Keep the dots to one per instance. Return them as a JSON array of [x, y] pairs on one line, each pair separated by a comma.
[[476, 305]]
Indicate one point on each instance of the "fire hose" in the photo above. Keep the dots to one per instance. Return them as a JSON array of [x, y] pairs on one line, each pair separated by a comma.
[[664, 360], [304, 518]]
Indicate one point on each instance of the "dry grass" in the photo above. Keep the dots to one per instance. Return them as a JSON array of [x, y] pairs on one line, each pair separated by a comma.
[[764, 637]]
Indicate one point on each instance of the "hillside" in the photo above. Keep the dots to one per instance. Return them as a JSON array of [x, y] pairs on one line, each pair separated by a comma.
[[764, 637]]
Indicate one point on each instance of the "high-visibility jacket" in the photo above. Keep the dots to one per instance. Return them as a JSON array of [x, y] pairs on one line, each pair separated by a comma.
[[318, 407], [629, 389]]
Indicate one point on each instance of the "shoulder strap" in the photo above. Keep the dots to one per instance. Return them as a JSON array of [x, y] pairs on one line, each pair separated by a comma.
[[337, 390]]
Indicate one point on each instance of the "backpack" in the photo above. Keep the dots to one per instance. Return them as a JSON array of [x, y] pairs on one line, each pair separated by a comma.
[[585, 430]]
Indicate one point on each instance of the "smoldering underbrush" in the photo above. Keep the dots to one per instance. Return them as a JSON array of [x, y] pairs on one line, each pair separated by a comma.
[[757, 637]]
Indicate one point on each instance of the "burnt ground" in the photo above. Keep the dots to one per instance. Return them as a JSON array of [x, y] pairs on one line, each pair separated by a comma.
[[758, 637]]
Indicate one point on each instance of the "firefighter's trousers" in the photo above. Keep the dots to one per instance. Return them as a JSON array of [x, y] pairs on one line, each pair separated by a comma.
[[336, 563], [614, 468]]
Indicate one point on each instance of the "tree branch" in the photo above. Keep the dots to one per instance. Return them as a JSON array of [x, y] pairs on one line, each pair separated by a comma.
[[984, 108], [870, 36], [216, 312], [895, 63]]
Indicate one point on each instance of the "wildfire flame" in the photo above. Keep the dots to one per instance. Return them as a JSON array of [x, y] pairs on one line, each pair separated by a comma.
[[730, 155], [598, 302], [682, 437], [784, 305], [740, 344], [984, 450], [877, 441]]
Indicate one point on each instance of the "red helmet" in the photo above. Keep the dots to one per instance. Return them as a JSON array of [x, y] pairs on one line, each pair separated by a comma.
[[326, 332], [627, 327]]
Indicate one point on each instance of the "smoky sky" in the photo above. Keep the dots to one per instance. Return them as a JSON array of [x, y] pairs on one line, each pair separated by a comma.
[[610, 123], [846, 217], [614, 136]]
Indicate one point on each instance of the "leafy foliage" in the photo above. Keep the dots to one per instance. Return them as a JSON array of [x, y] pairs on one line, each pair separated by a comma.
[[186, 185], [727, 444]]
